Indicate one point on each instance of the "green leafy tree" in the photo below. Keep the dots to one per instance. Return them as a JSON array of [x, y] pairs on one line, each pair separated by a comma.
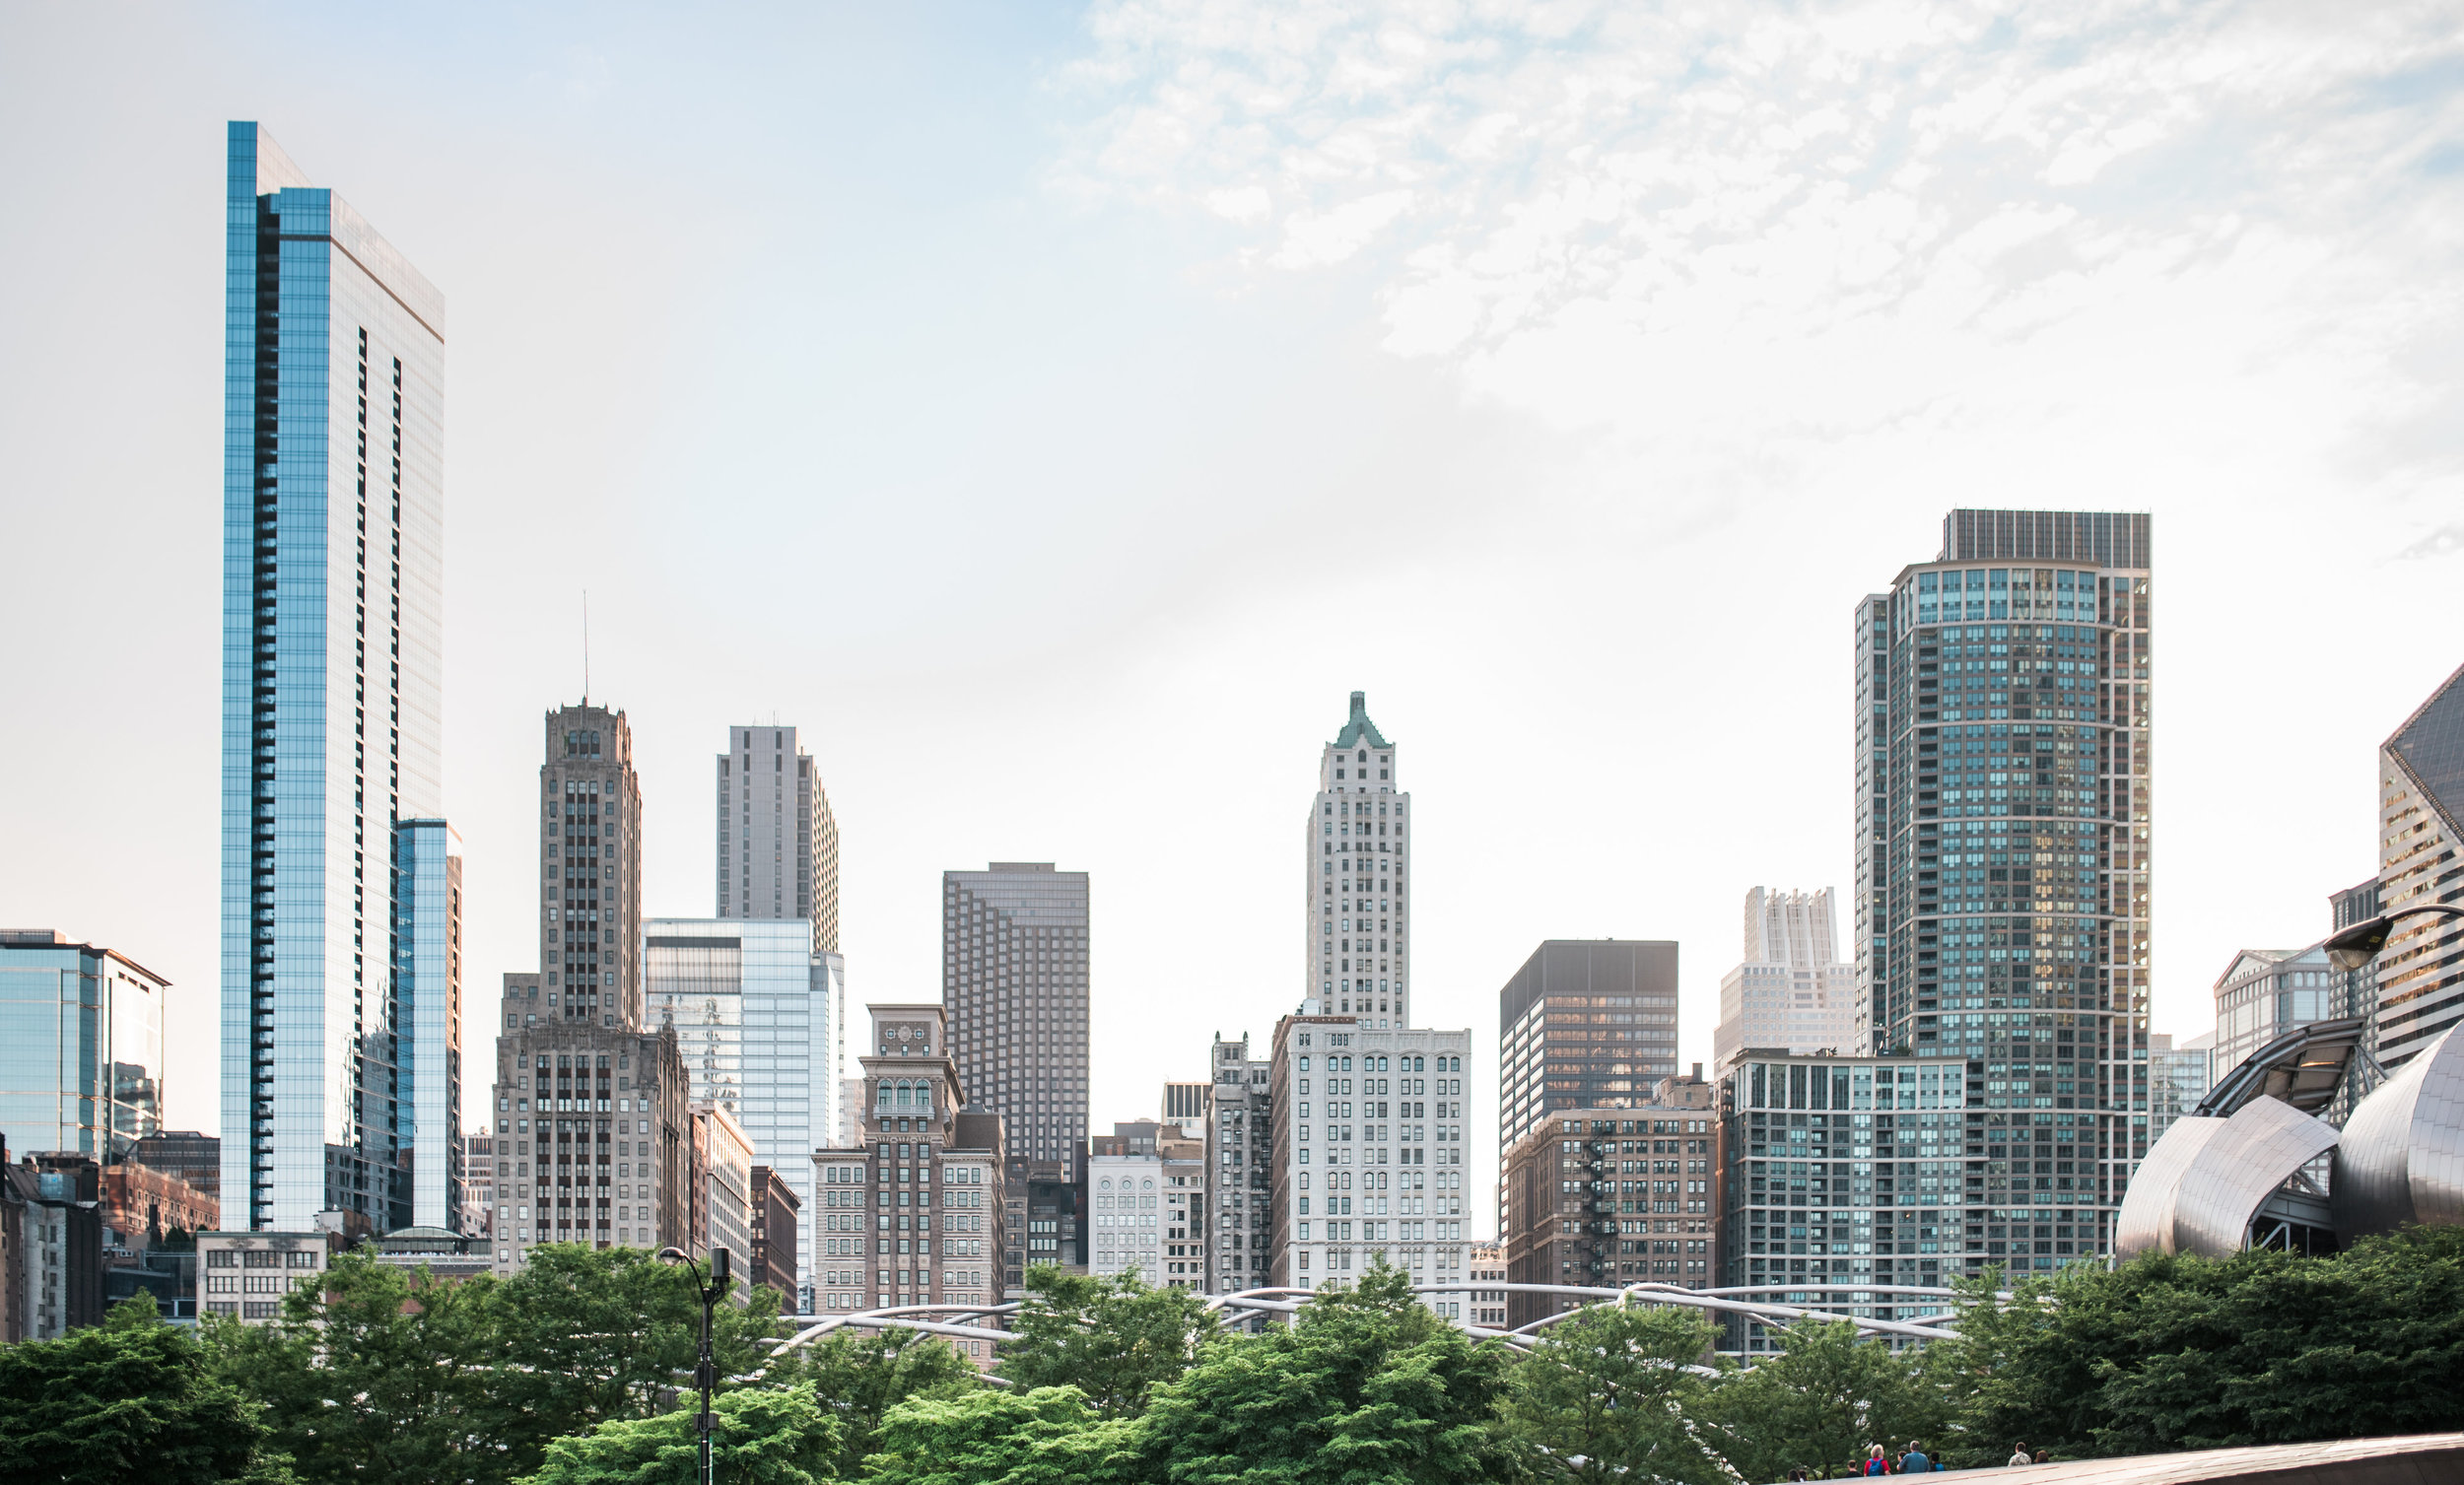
[[1819, 1402], [374, 1375], [860, 1375], [2175, 1353], [586, 1336], [1614, 1388], [1111, 1338], [1047, 1436], [764, 1436], [1364, 1387], [129, 1399]]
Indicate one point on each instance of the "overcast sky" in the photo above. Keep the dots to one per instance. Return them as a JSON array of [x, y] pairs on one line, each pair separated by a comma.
[[1057, 412]]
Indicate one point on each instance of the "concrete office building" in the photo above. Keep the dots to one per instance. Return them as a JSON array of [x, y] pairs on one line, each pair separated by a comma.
[[759, 1016], [243, 1275], [2417, 988], [83, 1025], [594, 1124], [778, 841], [58, 1269], [1610, 1196], [1584, 1023], [2263, 995], [1791, 991], [928, 1151], [1368, 1150], [1357, 881], [1014, 977], [1147, 1198], [479, 1173], [1239, 1156], [332, 689], [722, 1189], [1488, 1307], [2002, 734], [2180, 1075]]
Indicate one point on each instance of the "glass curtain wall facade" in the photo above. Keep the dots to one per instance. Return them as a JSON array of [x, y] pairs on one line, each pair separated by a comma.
[[2002, 730], [2417, 991], [1864, 1172], [1585, 1023], [424, 1103], [332, 660], [1014, 977], [81, 1047], [758, 1015]]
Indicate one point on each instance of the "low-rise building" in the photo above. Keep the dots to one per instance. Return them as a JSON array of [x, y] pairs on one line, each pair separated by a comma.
[[1486, 1306], [243, 1275], [1610, 1196], [195, 1158], [141, 1206]]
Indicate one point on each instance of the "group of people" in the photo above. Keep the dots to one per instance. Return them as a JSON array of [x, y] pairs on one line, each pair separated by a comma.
[[1913, 1460]]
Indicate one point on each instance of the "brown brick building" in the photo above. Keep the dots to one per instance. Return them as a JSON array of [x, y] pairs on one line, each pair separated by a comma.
[[1610, 1198]]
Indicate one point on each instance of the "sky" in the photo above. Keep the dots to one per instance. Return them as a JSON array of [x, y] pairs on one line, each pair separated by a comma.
[[1056, 412]]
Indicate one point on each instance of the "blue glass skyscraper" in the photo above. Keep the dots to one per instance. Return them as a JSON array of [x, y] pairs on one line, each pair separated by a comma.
[[332, 658]]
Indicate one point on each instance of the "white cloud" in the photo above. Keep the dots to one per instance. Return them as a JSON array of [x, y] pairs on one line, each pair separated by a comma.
[[1732, 223]]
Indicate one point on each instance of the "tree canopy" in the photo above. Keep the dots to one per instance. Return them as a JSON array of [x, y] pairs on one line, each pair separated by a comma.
[[1112, 1338], [128, 1400]]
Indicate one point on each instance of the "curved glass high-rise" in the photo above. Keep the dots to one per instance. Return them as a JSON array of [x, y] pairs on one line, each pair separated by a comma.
[[332, 656], [2003, 724]]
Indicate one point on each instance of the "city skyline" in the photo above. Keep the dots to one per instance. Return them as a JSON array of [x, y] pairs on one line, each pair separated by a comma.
[[1126, 629]]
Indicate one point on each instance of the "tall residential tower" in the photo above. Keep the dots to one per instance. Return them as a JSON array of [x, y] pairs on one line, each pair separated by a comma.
[[1357, 900], [778, 841], [2002, 736], [1013, 974], [333, 523]]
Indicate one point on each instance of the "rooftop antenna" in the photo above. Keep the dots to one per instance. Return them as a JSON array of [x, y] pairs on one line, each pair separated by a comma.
[[585, 647]]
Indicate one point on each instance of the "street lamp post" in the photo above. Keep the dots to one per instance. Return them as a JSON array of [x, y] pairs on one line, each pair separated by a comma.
[[712, 1287], [2353, 948]]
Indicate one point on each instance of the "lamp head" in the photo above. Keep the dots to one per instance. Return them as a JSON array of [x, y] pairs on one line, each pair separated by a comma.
[[2353, 948], [673, 1256]]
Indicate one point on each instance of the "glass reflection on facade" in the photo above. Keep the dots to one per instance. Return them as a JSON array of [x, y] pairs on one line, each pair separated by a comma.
[[332, 652], [757, 1014], [2003, 730], [424, 1108], [81, 1047]]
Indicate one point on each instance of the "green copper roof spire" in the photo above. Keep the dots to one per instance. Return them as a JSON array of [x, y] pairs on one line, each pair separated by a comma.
[[1360, 727]]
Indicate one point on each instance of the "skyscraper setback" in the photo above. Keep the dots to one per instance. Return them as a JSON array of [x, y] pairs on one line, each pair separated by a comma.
[[777, 843], [1014, 977], [2002, 841], [1357, 902], [594, 1133], [332, 662]]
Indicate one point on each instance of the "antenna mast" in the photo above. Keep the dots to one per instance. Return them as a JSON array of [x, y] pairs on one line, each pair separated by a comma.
[[585, 647]]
